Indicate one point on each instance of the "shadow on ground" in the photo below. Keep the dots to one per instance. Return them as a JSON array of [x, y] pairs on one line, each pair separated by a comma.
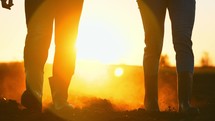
[[101, 110]]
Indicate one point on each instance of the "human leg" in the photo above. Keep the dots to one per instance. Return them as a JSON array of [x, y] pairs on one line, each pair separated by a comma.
[[39, 30], [153, 15], [182, 14], [66, 30]]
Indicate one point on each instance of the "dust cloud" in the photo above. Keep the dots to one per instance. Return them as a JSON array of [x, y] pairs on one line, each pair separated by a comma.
[[94, 83]]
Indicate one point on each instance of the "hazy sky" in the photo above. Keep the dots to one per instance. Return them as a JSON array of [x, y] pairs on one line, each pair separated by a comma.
[[110, 31]]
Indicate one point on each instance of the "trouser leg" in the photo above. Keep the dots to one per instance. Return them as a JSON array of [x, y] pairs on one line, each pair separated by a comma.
[[66, 30], [182, 14], [153, 15], [39, 30]]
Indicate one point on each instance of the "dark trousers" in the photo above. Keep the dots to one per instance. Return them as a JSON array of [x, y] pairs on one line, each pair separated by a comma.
[[182, 14]]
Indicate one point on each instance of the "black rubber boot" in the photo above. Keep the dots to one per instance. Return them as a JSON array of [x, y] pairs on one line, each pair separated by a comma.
[[185, 81], [31, 101], [151, 93]]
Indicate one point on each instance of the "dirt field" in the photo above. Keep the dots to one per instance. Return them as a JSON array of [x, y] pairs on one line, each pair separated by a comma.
[[102, 109]]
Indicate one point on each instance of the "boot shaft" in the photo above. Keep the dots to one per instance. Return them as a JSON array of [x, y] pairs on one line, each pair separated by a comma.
[[151, 93], [59, 91], [185, 82]]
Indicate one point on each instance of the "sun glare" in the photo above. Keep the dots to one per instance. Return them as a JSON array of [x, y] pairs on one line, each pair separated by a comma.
[[119, 72], [103, 35], [99, 41]]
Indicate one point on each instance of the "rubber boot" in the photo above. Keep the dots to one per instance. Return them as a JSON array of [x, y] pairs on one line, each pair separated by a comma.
[[32, 101], [151, 93], [59, 92], [32, 96], [185, 81]]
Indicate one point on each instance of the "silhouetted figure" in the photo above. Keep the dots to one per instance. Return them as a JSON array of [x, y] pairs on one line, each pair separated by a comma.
[[7, 4], [40, 16], [182, 15]]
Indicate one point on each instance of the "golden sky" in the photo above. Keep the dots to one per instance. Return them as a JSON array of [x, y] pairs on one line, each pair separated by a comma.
[[110, 32]]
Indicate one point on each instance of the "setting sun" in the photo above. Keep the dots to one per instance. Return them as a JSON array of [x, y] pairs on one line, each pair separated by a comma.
[[119, 72]]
